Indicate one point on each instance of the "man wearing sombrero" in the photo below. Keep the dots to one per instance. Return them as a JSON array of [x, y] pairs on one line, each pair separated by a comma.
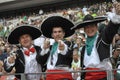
[[97, 48], [25, 60], [58, 56]]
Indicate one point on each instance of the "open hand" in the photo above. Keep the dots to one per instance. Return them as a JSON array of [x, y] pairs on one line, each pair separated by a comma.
[[116, 5], [46, 43], [61, 45]]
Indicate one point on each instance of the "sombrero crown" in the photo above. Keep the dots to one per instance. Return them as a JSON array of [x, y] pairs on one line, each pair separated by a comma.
[[56, 21], [88, 19]]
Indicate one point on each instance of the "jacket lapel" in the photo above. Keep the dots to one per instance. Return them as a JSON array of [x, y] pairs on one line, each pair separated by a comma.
[[21, 57]]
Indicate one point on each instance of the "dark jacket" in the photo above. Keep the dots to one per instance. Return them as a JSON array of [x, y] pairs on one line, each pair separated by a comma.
[[20, 62], [62, 59], [103, 42]]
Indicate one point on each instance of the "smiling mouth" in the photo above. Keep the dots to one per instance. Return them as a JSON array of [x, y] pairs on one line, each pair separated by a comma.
[[90, 32], [26, 42], [58, 37]]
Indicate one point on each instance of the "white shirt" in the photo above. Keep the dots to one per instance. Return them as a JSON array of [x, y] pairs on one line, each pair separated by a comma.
[[93, 61], [76, 64], [31, 66], [55, 56]]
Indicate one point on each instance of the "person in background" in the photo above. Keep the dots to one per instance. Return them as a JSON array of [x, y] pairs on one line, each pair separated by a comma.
[[116, 59], [76, 64], [78, 44], [115, 39], [3, 55]]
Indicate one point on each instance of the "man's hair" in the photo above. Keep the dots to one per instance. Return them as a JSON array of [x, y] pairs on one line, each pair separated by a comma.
[[117, 45], [59, 27]]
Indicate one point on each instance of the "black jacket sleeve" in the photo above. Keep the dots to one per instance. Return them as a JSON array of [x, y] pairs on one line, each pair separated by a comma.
[[109, 32], [105, 39], [6, 68], [19, 63], [42, 59], [66, 59]]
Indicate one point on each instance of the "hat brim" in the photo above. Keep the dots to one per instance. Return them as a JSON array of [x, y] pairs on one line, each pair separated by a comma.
[[14, 36], [56, 21], [88, 22]]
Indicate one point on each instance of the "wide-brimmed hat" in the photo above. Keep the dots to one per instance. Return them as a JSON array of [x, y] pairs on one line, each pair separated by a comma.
[[14, 36], [56, 21], [88, 19]]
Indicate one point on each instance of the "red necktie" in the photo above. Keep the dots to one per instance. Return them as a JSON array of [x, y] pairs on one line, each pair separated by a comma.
[[27, 52]]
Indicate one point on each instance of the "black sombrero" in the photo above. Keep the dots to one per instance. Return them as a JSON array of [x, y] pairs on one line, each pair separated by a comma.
[[88, 19], [14, 36], [56, 21]]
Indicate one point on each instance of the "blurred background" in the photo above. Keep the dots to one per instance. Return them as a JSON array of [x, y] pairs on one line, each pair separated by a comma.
[[17, 12]]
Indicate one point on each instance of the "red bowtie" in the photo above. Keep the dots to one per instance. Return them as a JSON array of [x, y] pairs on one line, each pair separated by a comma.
[[27, 52]]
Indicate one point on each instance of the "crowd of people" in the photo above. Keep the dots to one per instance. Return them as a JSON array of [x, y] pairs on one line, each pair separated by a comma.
[[86, 48], [74, 14]]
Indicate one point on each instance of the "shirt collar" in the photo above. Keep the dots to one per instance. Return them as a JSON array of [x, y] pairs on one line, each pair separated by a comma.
[[24, 48]]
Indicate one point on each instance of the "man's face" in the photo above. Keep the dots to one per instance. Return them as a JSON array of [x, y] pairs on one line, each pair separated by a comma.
[[118, 49], [116, 52], [25, 40], [117, 37], [91, 30], [8, 50], [78, 40], [75, 55], [58, 33]]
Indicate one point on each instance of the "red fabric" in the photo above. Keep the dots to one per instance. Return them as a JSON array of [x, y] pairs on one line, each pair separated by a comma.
[[115, 72], [18, 79], [15, 78], [27, 52], [3, 77], [95, 75], [59, 76]]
